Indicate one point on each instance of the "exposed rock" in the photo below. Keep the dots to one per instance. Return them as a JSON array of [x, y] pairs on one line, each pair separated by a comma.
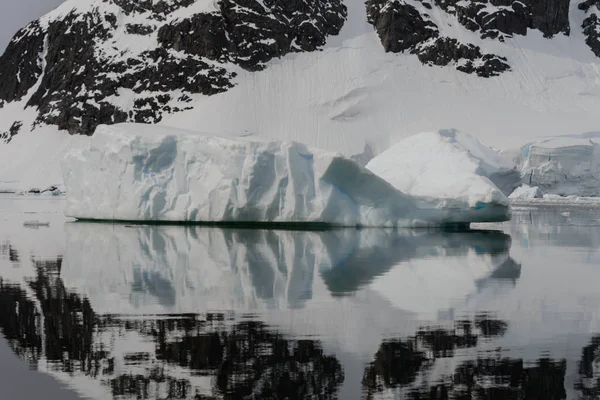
[[12, 132], [250, 34], [591, 25], [401, 27], [139, 29], [468, 58], [202, 35], [21, 59], [510, 17], [157, 9], [585, 5], [83, 76]]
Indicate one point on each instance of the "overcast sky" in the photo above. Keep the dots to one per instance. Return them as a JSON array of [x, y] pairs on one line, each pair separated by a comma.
[[14, 14]]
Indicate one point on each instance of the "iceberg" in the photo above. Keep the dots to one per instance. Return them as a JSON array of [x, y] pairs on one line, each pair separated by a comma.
[[565, 165], [448, 164], [526, 192], [136, 172]]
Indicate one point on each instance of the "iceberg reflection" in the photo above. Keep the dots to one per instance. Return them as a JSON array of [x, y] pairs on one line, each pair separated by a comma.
[[166, 269]]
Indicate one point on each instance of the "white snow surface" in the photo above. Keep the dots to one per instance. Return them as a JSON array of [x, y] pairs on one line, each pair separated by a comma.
[[136, 172], [565, 165], [447, 164]]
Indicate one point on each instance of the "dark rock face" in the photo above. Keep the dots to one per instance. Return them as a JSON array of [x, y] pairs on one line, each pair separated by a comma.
[[12, 132], [588, 383], [591, 29], [401, 27], [158, 10], [249, 34], [202, 35], [591, 25], [496, 18], [82, 76], [467, 58], [21, 63]]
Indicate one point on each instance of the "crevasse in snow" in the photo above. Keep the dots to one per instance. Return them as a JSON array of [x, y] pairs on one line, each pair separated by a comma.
[[134, 172]]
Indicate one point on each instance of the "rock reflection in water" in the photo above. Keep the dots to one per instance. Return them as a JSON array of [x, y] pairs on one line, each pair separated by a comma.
[[186, 313], [176, 357], [589, 371], [8, 251], [414, 368]]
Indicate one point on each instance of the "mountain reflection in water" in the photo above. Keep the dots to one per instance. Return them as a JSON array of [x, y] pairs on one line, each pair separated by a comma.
[[147, 312]]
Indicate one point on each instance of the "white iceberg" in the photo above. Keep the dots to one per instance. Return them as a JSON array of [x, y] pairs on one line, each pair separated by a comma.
[[526, 192], [567, 165], [134, 172], [447, 164]]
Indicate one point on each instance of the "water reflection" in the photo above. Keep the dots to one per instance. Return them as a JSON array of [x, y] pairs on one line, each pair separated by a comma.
[[416, 369], [154, 269], [406, 364], [574, 228], [145, 312], [589, 370], [177, 357]]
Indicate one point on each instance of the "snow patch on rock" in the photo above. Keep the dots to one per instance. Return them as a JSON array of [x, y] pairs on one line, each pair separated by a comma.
[[447, 164]]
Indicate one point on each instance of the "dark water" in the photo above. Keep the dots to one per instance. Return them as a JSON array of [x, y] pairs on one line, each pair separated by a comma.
[[143, 312]]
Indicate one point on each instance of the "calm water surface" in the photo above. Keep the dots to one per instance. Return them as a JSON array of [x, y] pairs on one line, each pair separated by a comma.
[[99, 311]]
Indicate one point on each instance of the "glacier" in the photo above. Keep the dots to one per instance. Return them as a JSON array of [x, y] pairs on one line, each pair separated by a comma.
[[138, 172], [563, 165], [447, 164]]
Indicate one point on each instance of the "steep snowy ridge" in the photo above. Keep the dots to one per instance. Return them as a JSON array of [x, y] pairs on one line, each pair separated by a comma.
[[343, 75]]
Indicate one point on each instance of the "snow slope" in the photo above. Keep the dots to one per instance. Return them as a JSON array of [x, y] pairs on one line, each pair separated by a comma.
[[447, 164], [136, 172], [354, 93]]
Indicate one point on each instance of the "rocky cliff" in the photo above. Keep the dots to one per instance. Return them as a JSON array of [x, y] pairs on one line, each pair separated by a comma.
[[97, 62]]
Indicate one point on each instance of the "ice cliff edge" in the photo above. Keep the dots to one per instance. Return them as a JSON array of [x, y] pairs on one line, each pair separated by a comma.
[[136, 172]]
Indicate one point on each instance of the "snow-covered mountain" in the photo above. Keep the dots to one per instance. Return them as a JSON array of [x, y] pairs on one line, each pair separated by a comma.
[[344, 75]]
